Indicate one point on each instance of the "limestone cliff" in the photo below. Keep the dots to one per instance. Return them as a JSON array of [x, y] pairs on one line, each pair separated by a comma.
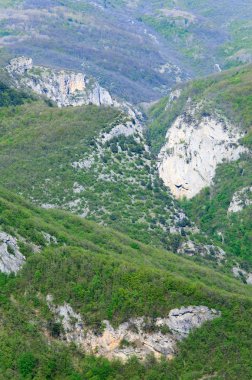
[[194, 146], [65, 88], [135, 337]]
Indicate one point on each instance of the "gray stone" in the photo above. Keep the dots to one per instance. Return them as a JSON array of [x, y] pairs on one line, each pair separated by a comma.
[[11, 259]]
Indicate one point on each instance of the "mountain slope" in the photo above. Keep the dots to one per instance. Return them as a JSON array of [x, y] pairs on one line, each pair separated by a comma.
[[136, 49], [109, 282], [93, 161], [223, 207], [125, 249]]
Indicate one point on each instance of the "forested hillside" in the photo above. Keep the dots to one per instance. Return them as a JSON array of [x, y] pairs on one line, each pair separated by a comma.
[[105, 275], [126, 190]]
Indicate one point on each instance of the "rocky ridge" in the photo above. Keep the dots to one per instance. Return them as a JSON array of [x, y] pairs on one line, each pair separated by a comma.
[[195, 144], [65, 88], [138, 336]]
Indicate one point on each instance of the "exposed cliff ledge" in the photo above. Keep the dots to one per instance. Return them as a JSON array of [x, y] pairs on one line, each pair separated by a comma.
[[195, 145], [66, 88], [138, 336], [11, 259]]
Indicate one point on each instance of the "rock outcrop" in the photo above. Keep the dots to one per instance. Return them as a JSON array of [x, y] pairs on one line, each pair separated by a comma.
[[20, 65], [132, 127], [11, 259], [241, 199], [65, 88], [50, 239], [195, 145], [138, 336], [242, 274], [190, 248]]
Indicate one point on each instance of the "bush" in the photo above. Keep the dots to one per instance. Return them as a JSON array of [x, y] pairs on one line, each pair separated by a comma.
[[27, 363]]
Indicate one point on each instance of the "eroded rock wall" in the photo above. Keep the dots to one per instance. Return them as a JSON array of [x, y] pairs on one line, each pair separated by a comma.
[[66, 88], [194, 146], [138, 336]]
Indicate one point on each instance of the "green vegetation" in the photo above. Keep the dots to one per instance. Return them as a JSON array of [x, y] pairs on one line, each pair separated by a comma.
[[160, 120], [180, 32], [168, 27], [239, 49], [118, 268], [118, 184], [104, 274], [11, 97], [210, 207]]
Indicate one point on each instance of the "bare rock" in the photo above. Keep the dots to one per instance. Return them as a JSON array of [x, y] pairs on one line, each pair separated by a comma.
[[195, 145], [241, 199], [190, 248], [19, 65], [50, 239], [242, 274], [11, 259], [185, 319], [138, 336], [65, 88]]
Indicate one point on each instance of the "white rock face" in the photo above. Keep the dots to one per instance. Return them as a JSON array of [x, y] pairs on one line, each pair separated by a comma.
[[66, 88], [71, 321], [138, 336], [194, 147], [185, 319], [241, 199], [77, 188], [11, 259]]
